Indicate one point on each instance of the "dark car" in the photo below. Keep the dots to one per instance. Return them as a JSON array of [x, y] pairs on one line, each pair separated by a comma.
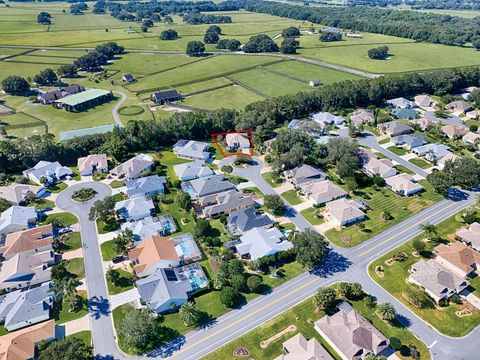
[[117, 259]]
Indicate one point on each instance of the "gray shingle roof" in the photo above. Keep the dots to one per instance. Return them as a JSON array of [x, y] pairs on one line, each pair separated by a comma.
[[145, 185], [211, 185], [247, 219], [193, 170]]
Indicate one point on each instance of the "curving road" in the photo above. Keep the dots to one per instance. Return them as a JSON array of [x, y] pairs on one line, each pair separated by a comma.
[[115, 113], [341, 265]]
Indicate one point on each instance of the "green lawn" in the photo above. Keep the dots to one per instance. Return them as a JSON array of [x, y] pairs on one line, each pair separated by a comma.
[[107, 250], [303, 317], [292, 197], [115, 184], [3, 331], [443, 320], [379, 200], [57, 187], [421, 163], [85, 336], [403, 169], [311, 215], [167, 160], [254, 189], [66, 218], [106, 227], [183, 219], [475, 284], [384, 141], [125, 283], [76, 267], [40, 203], [268, 178], [400, 151], [74, 241], [64, 314]]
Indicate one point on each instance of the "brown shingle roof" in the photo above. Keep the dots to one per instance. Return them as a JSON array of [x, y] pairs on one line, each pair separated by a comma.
[[20, 345], [151, 250], [459, 255], [26, 240]]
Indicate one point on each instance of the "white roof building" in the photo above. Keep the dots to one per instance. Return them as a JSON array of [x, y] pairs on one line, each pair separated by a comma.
[[260, 242], [52, 171]]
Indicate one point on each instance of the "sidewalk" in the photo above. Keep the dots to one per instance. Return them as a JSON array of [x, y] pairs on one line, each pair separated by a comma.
[[130, 296]]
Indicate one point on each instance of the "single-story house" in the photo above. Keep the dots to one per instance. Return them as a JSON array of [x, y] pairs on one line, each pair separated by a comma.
[[50, 97], [21, 344], [17, 218], [158, 252], [459, 107], [471, 138], [321, 192], [15, 193], [192, 150], [299, 348], [224, 203], [167, 289], [394, 128], [379, 167], [151, 226], [84, 100], [458, 258], [164, 97], [362, 116], [324, 118], [408, 141], [134, 209], [237, 141], [90, 164], [454, 131], [473, 114], [303, 174], [350, 334], [26, 307], [403, 184], [310, 127], [424, 123], [432, 152], [128, 78], [243, 220], [401, 103], [449, 157], [471, 235], [437, 281], [406, 114], [260, 242], [26, 269], [192, 170], [344, 212], [133, 168], [52, 171], [146, 186], [72, 89], [425, 101], [34, 240], [202, 187]]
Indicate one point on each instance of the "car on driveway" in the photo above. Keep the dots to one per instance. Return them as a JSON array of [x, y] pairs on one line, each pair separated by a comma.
[[117, 259]]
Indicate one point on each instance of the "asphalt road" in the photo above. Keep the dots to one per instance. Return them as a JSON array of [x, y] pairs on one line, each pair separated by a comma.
[[341, 265]]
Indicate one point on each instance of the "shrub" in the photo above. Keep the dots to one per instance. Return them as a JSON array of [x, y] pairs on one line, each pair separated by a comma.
[[254, 283], [239, 283], [395, 343], [229, 297]]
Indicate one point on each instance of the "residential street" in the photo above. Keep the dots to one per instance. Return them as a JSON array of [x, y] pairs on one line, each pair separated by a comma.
[[341, 265]]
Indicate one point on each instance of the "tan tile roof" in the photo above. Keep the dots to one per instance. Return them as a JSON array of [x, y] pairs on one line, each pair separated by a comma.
[[20, 345], [323, 191], [344, 210], [298, 348], [98, 160], [454, 130], [151, 250], [459, 255], [471, 234], [403, 182], [15, 193], [26, 240]]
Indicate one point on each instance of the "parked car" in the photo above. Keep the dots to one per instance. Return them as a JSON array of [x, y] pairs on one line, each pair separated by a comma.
[[117, 259], [46, 209], [64, 230]]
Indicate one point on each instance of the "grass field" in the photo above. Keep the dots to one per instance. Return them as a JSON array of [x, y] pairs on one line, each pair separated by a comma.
[[400, 151], [233, 97], [443, 320], [421, 163], [380, 200], [292, 197], [124, 283], [311, 215]]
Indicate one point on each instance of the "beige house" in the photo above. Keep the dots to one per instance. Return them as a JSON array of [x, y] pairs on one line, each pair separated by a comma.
[[350, 334], [379, 167], [459, 107], [474, 114], [224, 203], [92, 163], [449, 157], [322, 192], [303, 174], [403, 184], [458, 257], [343, 212], [394, 128], [20, 345], [299, 348], [133, 168], [425, 101], [471, 138], [454, 131], [438, 282], [423, 123], [362, 116], [237, 141], [471, 235], [16, 193]]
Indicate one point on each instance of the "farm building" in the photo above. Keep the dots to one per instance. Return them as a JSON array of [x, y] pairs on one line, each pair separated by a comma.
[[164, 97], [85, 99]]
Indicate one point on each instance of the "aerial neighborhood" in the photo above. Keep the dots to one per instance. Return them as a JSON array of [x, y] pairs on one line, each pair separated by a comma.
[[239, 180]]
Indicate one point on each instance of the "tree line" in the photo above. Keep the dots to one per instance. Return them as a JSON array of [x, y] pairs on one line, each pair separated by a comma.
[[262, 117], [440, 29]]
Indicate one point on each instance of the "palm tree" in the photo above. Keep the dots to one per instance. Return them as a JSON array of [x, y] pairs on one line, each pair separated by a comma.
[[70, 292], [428, 230], [387, 311], [189, 314]]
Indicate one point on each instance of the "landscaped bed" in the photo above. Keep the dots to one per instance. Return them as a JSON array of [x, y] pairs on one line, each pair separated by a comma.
[[83, 195]]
